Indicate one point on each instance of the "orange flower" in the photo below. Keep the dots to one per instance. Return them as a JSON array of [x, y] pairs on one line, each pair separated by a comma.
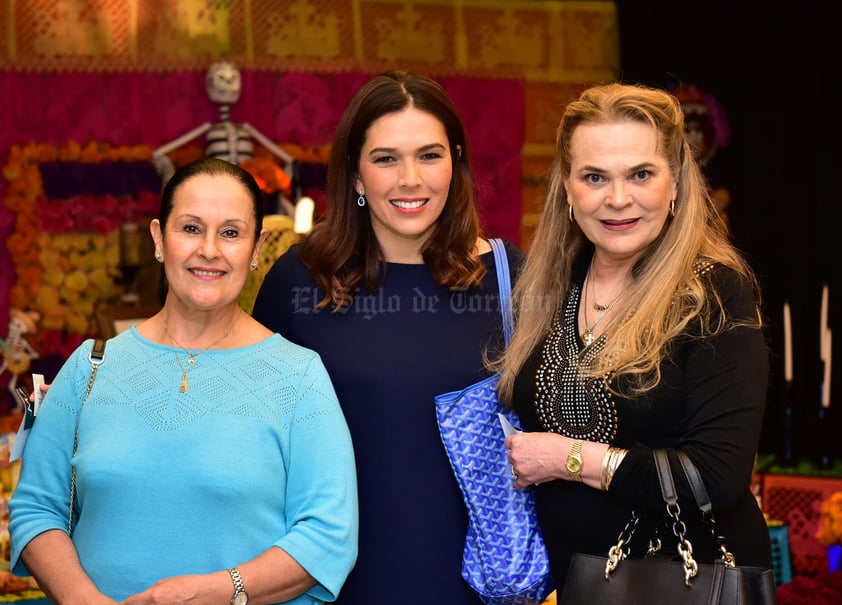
[[830, 520], [13, 168], [269, 176], [70, 152]]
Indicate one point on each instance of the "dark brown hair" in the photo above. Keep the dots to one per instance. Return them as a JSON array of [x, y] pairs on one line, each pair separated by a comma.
[[212, 167], [346, 231]]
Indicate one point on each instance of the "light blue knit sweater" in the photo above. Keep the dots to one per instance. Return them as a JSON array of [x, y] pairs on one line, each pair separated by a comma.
[[256, 454]]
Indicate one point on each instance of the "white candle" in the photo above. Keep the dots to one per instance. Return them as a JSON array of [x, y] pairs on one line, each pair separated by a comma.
[[303, 220], [826, 358], [787, 344], [823, 322]]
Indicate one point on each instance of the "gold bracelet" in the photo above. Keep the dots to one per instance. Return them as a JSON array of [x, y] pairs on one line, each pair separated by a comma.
[[603, 470], [610, 462], [616, 461]]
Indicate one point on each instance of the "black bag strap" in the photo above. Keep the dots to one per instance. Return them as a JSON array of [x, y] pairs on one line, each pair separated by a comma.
[[697, 486], [670, 495], [665, 478], [700, 493]]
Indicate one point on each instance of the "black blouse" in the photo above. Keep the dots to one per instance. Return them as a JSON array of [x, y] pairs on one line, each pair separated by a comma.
[[709, 403]]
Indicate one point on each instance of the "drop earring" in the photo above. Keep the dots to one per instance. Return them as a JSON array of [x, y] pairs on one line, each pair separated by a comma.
[[253, 265], [570, 213], [159, 256], [672, 207], [361, 200]]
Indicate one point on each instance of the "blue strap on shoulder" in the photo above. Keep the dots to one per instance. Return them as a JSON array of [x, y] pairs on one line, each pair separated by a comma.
[[504, 283]]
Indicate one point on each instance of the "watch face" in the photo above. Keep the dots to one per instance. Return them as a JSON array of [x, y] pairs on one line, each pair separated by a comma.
[[574, 465], [241, 598]]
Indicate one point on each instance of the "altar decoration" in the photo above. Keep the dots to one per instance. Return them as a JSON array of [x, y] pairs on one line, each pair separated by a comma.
[[830, 530], [797, 500], [17, 353], [70, 202], [301, 61], [132, 74], [547, 41], [708, 130]]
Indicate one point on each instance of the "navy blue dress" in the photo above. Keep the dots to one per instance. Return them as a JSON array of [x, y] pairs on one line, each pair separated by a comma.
[[388, 356]]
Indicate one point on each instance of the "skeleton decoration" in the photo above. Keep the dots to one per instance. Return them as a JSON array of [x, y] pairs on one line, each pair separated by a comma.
[[17, 353], [226, 140]]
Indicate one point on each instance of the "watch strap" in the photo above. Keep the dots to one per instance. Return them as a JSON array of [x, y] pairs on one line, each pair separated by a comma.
[[239, 587], [574, 460]]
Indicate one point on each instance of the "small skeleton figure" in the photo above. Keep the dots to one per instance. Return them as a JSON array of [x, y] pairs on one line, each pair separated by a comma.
[[17, 353], [224, 140]]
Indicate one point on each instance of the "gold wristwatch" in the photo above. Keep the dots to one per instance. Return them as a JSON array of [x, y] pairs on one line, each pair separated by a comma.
[[240, 595], [574, 461]]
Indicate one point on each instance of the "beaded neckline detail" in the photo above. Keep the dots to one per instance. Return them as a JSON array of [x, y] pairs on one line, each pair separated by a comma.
[[566, 402]]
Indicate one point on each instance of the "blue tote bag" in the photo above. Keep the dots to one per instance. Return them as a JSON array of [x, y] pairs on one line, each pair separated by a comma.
[[504, 561]]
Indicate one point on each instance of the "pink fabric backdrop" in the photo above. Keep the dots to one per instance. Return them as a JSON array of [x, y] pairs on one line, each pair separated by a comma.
[[300, 108]]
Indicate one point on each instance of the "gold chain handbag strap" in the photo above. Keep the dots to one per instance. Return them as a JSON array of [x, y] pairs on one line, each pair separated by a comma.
[[96, 357]]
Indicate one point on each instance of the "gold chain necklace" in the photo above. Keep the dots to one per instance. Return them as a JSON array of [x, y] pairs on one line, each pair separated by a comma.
[[596, 305], [193, 358], [587, 336]]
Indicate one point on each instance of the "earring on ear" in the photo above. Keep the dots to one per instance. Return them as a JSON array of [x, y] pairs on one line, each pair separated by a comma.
[[361, 200], [159, 256], [253, 265], [672, 207], [570, 212]]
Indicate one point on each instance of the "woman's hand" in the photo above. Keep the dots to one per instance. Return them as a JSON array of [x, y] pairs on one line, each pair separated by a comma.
[[536, 458], [181, 590], [43, 388]]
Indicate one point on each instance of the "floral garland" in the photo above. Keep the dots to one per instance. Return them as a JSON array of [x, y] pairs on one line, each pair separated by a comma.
[[65, 252]]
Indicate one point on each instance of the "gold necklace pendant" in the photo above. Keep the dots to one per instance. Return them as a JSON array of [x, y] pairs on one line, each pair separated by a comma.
[[193, 358], [587, 337], [184, 386]]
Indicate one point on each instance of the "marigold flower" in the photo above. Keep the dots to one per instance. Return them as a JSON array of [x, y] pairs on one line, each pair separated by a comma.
[[830, 520]]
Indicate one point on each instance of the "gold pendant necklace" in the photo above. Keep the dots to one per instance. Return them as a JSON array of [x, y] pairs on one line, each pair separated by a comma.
[[193, 358], [588, 335]]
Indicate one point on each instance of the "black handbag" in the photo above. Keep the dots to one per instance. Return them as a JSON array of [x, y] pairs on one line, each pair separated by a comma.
[[616, 580]]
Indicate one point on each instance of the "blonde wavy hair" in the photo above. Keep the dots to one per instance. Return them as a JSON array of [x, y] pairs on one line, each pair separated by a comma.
[[666, 294]]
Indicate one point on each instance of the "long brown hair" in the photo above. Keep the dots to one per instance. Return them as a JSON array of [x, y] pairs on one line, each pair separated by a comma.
[[666, 293], [346, 231]]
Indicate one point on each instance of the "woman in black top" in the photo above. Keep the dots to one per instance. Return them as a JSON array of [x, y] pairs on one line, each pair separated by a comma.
[[638, 327]]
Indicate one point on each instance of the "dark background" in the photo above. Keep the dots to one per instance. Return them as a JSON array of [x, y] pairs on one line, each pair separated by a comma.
[[772, 65]]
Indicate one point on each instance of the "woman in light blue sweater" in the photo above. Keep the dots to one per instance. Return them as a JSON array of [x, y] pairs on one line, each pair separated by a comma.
[[213, 463]]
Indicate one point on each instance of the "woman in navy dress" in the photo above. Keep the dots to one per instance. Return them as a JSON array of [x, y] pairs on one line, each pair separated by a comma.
[[397, 291]]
